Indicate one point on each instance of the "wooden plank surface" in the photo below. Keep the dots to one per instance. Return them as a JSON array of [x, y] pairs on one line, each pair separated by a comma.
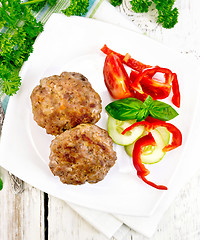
[[22, 212], [32, 215]]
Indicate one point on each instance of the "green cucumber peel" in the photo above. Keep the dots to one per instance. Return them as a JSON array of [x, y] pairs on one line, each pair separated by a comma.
[[132, 108]]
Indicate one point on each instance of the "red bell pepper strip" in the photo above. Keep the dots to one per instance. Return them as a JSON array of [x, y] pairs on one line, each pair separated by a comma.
[[176, 92], [156, 89], [130, 62], [148, 126], [142, 172], [153, 120], [133, 76], [151, 123], [150, 72], [176, 133], [116, 77]]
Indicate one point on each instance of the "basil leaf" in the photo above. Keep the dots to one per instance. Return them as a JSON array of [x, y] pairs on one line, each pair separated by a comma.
[[132, 108], [124, 109], [144, 111], [1, 184], [142, 114], [162, 111], [148, 101]]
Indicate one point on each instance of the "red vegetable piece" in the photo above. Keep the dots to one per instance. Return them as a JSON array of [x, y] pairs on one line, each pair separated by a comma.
[[152, 87], [142, 172], [148, 126], [157, 90], [153, 120], [150, 72], [176, 92], [116, 77], [151, 123], [130, 62], [133, 76], [176, 135], [142, 81]]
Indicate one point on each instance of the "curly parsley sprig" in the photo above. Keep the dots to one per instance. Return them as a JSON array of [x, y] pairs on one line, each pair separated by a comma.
[[167, 15], [18, 31], [37, 5], [77, 7], [116, 2]]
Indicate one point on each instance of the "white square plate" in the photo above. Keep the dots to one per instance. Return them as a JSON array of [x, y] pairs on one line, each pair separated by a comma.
[[73, 44]]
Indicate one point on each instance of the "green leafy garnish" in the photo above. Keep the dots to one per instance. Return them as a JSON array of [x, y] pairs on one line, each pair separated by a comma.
[[77, 8], [20, 29], [124, 109], [9, 80], [37, 5], [1, 184], [116, 2], [132, 108], [167, 15], [162, 111], [140, 6]]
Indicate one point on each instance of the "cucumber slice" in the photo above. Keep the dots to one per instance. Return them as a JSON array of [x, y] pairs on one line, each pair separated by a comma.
[[165, 134], [153, 154], [129, 149], [116, 127]]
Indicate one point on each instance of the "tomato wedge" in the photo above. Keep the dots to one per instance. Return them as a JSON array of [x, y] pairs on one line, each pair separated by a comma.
[[116, 77]]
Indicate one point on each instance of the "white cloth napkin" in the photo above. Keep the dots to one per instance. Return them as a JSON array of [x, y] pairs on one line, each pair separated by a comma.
[[119, 225]]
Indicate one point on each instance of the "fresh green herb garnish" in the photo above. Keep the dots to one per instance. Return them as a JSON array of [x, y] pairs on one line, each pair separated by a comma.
[[116, 2], [162, 111], [124, 109], [18, 31], [140, 6], [167, 15], [1, 184], [37, 5], [77, 7], [132, 108]]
